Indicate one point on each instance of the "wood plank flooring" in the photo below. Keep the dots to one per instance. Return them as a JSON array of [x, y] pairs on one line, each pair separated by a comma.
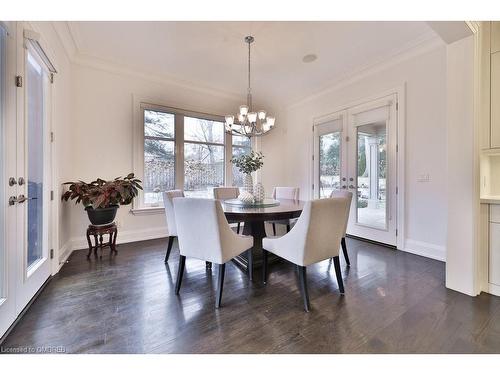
[[395, 302]]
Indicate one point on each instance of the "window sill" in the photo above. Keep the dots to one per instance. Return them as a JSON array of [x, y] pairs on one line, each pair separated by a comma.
[[147, 211]]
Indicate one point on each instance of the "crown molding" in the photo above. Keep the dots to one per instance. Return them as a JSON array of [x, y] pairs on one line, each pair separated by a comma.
[[426, 43], [70, 40]]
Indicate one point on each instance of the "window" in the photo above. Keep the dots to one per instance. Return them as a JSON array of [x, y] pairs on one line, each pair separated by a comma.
[[159, 155], [185, 150], [203, 156], [241, 145]]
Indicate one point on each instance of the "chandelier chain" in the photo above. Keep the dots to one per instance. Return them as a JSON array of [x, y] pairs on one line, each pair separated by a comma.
[[249, 123]]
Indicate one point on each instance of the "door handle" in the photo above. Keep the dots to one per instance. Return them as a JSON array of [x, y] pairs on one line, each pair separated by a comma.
[[22, 198], [344, 186]]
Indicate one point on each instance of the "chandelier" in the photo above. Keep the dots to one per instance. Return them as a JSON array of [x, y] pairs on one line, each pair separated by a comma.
[[249, 123]]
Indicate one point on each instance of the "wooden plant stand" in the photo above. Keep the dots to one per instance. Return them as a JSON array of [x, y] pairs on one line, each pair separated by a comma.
[[98, 232]]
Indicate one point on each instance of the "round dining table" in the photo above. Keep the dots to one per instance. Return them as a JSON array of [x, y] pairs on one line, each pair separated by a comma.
[[254, 219]]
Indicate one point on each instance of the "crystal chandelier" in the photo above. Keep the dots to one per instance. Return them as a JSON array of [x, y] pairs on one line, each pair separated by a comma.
[[249, 123]]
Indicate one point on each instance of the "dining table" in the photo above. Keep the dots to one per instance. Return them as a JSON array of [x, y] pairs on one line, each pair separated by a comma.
[[254, 217]]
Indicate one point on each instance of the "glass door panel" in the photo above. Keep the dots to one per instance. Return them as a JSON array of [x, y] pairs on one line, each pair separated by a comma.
[[3, 250], [371, 175], [35, 160], [329, 163]]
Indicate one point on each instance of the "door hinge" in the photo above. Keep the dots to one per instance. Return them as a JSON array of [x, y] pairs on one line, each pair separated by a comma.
[[51, 77], [52, 195], [51, 253], [313, 157], [396, 232], [51, 136], [313, 187], [397, 106], [397, 190], [347, 139], [19, 81], [397, 148]]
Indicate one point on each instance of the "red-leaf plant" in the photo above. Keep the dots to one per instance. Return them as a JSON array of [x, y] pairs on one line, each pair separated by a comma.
[[101, 193]]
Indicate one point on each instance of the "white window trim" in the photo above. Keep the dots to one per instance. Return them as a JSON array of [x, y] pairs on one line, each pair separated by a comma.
[[138, 207]]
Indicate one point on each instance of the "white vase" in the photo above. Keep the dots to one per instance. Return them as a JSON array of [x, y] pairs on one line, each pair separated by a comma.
[[248, 183], [258, 192]]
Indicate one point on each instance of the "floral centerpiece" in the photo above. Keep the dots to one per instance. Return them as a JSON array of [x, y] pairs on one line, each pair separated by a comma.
[[247, 164]]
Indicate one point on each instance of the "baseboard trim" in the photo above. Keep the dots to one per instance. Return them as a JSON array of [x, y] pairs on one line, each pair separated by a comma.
[[78, 243], [425, 249], [64, 253], [493, 289]]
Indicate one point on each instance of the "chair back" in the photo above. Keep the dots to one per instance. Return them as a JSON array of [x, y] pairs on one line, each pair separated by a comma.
[[202, 229], [318, 230], [284, 192], [226, 192], [168, 196], [343, 194]]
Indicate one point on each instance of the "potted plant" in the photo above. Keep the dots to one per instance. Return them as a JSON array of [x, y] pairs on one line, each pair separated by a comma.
[[102, 198], [247, 164]]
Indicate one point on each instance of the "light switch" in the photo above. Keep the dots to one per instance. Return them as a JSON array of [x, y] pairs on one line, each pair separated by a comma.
[[423, 177]]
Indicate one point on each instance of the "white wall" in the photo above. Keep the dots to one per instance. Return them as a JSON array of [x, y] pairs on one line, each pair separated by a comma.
[[461, 195], [425, 78], [102, 121]]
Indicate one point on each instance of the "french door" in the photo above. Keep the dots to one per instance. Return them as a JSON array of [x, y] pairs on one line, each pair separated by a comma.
[[26, 181], [355, 150]]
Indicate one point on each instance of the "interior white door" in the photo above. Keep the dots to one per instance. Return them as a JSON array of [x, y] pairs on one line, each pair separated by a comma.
[[329, 155], [355, 149], [34, 176], [371, 170], [7, 168]]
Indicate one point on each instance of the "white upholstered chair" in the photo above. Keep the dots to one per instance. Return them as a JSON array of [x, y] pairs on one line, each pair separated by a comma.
[[204, 234], [315, 237], [228, 193], [348, 195], [284, 192], [168, 196]]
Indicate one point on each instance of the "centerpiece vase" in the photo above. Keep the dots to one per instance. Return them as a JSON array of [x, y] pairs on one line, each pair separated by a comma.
[[248, 183], [258, 192]]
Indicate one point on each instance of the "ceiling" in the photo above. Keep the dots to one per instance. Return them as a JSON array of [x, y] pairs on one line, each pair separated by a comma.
[[214, 55]]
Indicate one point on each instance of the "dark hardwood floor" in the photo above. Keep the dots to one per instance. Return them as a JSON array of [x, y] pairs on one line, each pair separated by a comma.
[[394, 303]]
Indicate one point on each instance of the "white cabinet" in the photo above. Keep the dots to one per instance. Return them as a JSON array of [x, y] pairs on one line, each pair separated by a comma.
[[494, 257], [494, 248]]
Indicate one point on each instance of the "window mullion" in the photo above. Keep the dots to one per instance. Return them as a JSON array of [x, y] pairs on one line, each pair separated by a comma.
[[228, 154], [179, 151]]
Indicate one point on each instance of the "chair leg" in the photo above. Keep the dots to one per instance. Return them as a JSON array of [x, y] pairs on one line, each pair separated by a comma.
[[208, 265], [274, 229], [338, 273], [264, 266], [220, 284], [344, 250], [250, 264], [303, 287], [238, 228], [288, 228], [169, 248], [180, 273]]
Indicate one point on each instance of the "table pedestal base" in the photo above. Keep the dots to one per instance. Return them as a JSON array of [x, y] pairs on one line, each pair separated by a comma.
[[258, 231]]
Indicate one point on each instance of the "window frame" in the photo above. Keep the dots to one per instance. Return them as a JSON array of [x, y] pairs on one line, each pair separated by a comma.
[[140, 106]]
